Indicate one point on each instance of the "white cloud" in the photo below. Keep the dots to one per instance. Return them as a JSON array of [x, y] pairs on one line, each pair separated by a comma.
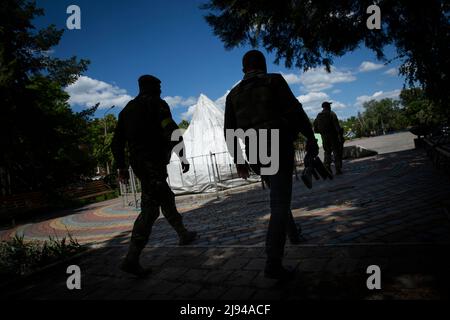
[[87, 92], [313, 109], [318, 79], [379, 95], [368, 66], [312, 103], [338, 105], [336, 91], [291, 78], [313, 97], [189, 113], [178, 101], [391, 72], [222, 100]]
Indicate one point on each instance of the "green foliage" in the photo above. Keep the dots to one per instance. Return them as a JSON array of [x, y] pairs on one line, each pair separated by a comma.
[[312, 33], [19, 257], [384, 116], [100, 135], [379, 117], [419, 110], [184, 124], [387, 115], [44, 143]]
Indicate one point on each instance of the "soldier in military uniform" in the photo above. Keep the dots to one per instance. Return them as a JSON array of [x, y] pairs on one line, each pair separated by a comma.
[[327, 124], [145, 127], [265, 101]]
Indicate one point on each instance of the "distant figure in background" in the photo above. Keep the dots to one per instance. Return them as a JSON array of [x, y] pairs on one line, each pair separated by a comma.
[[145, 126], [327, 124], [264, 101]]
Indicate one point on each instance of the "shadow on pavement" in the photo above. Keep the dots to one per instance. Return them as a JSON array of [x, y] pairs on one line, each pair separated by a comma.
[[390, 198]]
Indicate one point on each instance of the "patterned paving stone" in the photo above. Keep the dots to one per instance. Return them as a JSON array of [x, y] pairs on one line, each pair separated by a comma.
[[389, 210]]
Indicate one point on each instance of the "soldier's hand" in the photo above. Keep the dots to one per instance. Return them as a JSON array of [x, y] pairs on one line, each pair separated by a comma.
[[242, 171], [312, 148], [185, 167], [123, 176]]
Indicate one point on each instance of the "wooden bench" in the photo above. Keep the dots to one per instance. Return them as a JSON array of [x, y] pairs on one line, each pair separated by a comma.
[[13, 205], [89, 190]]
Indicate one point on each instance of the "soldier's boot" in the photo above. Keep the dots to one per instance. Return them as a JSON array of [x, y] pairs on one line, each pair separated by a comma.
[[186, 237], [296, 237], [176, 221], [131, 262], [275, 270]]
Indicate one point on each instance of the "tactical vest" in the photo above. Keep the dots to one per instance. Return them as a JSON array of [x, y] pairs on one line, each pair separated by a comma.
[[255, 104]]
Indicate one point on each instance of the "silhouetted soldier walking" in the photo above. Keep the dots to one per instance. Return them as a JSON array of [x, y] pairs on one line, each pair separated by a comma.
[[327, 124], [265, 101], [145, 126]]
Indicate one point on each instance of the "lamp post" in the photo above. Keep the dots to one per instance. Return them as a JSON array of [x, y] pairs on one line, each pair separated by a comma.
[[105, 126]]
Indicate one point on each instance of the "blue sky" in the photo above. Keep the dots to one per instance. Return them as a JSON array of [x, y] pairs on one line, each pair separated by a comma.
[[171, 40]]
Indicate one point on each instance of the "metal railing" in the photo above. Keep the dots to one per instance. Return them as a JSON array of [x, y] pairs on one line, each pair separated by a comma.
[[214, 170]]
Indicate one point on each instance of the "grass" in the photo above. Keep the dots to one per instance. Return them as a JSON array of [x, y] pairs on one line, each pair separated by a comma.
[[19, 258]]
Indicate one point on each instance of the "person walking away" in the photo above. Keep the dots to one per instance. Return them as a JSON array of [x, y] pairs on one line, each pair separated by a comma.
[[264, 101], [327, 124], [145, 127]]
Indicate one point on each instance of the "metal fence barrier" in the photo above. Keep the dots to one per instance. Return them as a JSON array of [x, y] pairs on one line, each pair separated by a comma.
[[213, 173]]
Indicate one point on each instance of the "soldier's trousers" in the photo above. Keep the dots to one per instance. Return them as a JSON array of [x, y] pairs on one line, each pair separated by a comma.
[[156, 194], [332, 147], [281, 221]]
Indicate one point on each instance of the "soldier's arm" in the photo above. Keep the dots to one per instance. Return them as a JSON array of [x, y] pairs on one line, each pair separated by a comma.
[[118, 144], [169, 126], [293, 109], [167, 122], [335, 121], [231, 124], [316, 126], [230, 118]]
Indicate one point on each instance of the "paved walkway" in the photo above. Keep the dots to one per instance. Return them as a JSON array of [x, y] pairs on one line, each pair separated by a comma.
[[390, 210]]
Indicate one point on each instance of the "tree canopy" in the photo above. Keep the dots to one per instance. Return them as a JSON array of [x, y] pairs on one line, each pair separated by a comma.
[[184, 124], [388, 115], [307, 34], [43, 142]]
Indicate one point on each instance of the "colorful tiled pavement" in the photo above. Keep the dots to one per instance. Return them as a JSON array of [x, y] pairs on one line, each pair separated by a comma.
[[92, 224], [387, 198], [391, 210]]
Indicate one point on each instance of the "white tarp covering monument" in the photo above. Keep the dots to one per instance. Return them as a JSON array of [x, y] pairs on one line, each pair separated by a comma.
[[206, 150]]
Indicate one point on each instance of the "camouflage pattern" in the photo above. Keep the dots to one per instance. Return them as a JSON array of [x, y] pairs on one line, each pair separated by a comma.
[[156, 194], [264, 101], [145, 126]]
